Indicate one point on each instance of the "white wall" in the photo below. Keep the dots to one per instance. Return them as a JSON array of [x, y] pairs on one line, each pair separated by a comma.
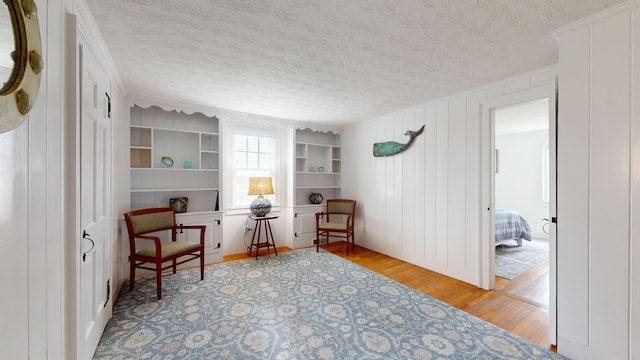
[[30, 219], [424, 205], [14, 240], [518, 183], [32, 233]]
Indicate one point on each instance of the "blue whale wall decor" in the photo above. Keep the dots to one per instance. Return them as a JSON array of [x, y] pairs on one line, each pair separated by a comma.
[[391, 147]]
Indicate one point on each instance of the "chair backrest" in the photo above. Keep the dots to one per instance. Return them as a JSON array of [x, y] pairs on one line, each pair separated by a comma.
[[342, 206], [149, 220]]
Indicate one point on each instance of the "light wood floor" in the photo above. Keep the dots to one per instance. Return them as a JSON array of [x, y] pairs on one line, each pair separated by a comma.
[[519, 306]]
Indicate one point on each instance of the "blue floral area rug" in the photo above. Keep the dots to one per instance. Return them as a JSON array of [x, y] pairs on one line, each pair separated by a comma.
[[297, 305]]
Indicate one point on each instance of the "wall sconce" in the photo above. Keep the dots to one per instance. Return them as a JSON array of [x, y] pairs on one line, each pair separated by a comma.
[[260, 206]]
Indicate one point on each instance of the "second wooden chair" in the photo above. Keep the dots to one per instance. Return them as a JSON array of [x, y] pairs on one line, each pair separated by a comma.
[[337, 221]]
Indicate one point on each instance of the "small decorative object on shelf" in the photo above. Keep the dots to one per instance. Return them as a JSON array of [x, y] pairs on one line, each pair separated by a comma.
[[179, 204], [312, 168], [166, 161], [187, 164], [260, 186], [316, 198], [321, 168]]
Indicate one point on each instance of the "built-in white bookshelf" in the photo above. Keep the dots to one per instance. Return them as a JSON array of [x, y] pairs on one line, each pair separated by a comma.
[[192, 142], [318, 165], [318, 169], [190, 145]]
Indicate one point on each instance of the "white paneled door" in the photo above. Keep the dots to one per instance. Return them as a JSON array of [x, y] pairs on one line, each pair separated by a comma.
[[94, 259]]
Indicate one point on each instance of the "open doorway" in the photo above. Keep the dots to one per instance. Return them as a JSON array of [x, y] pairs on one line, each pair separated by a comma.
[[521, 195], [488, 175]]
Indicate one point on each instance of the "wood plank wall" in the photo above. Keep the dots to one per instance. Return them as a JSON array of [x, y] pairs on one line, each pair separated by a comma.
[[423, 206]]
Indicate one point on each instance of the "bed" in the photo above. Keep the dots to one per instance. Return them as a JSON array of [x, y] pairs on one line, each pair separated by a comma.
[[511, 226]]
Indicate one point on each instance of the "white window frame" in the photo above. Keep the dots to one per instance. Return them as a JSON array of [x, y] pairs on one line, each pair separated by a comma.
[[276, 172]]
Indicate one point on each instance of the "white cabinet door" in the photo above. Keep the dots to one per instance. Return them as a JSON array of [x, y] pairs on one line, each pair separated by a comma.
[[304, 224], [215, 250], [212, 235]]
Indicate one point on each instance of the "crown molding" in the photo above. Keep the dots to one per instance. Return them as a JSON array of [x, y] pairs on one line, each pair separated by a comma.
[[592, 19]]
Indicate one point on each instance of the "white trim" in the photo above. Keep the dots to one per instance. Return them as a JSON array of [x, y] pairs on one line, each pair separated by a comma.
[[545, 174], [227, 161], [487, 253], [594, 18], [487, 248], [314, 127], [223, 114], [553, 235]]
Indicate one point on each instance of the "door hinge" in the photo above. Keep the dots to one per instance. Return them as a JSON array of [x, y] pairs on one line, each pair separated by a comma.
[[108, 105], [217, 221], [296, 214], [108, 292], [554, 220], [296, 235]]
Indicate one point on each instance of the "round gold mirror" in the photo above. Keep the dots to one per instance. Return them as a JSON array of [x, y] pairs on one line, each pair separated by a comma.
[[20, 61]]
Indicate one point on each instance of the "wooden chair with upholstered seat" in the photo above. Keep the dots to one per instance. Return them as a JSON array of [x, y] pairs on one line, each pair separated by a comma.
[[142, 223], [336, 221]]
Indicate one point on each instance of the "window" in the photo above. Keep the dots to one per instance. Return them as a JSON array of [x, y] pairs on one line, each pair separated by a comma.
[[253, 156]]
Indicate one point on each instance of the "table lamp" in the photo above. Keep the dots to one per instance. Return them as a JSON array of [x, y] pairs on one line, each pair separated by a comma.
[[260, 206]]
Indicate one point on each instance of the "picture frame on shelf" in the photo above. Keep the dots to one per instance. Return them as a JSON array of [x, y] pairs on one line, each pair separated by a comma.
[[179, 204]]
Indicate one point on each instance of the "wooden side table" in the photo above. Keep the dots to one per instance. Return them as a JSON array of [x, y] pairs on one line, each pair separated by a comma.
[[262, 225]]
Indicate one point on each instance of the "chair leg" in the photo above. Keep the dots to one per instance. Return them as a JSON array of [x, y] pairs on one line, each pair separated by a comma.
[[159, 280], [317, 240], [132, 274], [174, 265], [347, 244], [202, 264], [353, 241]]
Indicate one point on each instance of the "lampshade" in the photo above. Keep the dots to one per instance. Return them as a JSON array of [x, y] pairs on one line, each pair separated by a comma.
[[260, 186], [260, 206]]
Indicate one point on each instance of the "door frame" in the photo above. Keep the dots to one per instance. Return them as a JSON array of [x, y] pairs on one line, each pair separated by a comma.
[[488, 163]]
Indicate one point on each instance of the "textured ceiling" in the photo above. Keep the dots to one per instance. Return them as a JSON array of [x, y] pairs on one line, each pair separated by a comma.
[[330, 62]]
